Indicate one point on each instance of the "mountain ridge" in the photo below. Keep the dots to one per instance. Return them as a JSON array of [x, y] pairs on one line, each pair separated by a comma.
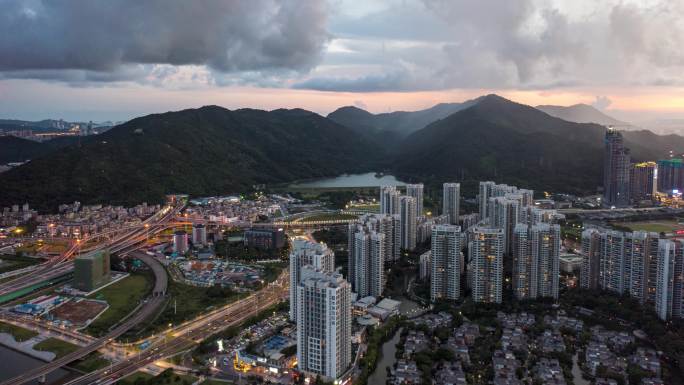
[[209, 150], [519, 144], [212, 150], [401, 123], [581, 113]]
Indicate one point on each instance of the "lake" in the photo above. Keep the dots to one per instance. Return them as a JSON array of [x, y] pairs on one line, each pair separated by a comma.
[[15, 363], [350, 180]]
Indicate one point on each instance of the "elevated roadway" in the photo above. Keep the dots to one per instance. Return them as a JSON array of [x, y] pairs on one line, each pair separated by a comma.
[[150, 306], [61, 265], [191, 333]]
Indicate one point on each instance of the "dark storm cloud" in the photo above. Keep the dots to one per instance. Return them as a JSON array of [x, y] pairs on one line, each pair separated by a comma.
[[519, 44], [54, 38]]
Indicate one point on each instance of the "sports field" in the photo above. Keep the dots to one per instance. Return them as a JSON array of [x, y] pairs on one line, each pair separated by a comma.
[[122, 297], [658, 226]]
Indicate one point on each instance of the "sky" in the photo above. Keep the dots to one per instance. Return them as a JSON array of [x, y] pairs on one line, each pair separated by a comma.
[[117, 59]]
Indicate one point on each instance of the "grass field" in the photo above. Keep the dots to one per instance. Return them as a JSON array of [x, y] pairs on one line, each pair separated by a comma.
[[13, 262], [19, 334], [186, 302], [59, 347], [28, 248], [122, 298], [135, 378], [327, 217], [658, 226], [216, 382], [91, 363], [273, 270], [371, 207], [52, 246]]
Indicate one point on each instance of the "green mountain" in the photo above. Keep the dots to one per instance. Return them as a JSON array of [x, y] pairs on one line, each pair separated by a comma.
[[394, 124], [514, 143], [645, 145], [14, 149], [210, 150]]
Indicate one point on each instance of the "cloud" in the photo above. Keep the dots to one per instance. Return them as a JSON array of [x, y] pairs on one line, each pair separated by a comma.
[[360, 104], [513, 44], [345, 45], [602, 102], [120, 39]]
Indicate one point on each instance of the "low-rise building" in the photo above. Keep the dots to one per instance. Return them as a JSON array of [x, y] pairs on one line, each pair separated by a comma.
[[450, 374], [265, 239]]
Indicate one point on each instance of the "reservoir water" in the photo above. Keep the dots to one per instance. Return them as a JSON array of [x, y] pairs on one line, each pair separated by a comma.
[[15, 363], [350, 180]]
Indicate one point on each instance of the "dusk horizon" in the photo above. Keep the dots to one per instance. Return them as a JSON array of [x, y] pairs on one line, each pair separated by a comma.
[[341, 192]]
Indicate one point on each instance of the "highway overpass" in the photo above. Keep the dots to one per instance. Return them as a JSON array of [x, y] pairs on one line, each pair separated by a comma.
[[149, 307]]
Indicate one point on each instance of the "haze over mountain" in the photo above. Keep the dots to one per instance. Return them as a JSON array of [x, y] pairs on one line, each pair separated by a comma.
[[210, 150], [401, 123], [582, 113], [48, 125]]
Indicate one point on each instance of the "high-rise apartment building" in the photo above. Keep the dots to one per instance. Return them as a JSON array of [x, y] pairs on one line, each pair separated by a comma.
[[667, 255], [416, 191], [591, 259], [445, 263], [366, 261], [389, 200], [670, 175], [486, 260], [306, 253], [616, 161], [485, 193], [638, 264], [425, 265], [532, 215], [468, 221], [489, 190], [408, 222], [324, 321], [527, 196], [545, 241], [180, 242], [451, 202], [91, 270], [536, 260], [199, 235], [641, 181], [504, 214], [613, 261], [389, 225]]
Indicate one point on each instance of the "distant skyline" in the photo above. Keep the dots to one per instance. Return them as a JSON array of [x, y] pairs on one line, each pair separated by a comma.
[[118, 59]]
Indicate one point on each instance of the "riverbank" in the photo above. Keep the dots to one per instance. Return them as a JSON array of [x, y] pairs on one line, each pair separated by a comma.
[[370, 179], [15, 363], [26, 347], [387, 360]]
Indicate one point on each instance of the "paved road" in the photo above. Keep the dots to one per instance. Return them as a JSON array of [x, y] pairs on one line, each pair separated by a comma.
[[149, 308], [191, 333], [123, 243]]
